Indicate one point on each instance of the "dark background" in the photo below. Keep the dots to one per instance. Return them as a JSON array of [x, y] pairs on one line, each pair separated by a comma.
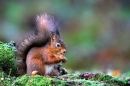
[[96, 32]]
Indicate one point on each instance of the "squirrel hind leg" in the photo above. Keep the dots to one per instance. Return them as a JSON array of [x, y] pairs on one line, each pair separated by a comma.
[[35, 65]]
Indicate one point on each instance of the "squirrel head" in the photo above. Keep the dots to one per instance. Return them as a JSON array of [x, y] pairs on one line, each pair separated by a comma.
[[57, 45]]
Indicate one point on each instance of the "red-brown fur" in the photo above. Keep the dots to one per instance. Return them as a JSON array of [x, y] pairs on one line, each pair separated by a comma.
[[39, 49], [39, 57]]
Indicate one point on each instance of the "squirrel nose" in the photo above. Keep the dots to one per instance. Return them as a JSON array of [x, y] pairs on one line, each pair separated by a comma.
[[64, 51]]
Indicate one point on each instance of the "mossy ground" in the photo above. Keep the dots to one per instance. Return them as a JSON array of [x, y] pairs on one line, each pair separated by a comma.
[[8, 74], [8, 58], [96, 79]]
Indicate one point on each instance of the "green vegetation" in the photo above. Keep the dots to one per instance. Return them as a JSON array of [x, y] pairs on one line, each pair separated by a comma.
[[96, 79], [8, 58], [6, 80], [8, 74], [32, 81]]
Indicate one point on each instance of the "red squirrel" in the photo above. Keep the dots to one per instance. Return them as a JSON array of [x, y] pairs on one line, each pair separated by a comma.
[[42, 50]]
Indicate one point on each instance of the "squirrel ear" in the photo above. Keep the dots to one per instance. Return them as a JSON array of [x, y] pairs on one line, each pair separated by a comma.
[[53, 37]]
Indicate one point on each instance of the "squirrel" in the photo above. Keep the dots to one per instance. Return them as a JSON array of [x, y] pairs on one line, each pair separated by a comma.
[[41, 50]]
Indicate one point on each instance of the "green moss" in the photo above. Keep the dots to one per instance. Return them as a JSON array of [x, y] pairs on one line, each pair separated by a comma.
[[32, 81], [107, 79], [6, 80], [65, 80], [43, 81], [97, 79], [7, 58]]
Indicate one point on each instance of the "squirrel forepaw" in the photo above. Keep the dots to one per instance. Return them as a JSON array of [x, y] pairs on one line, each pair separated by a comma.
[[64, 59], [61, 58]]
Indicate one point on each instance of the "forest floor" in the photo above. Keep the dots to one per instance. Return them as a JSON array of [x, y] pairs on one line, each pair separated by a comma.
[[84, 79]]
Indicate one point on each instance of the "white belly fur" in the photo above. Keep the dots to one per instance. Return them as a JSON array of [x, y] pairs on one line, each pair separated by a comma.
[[49, 69]]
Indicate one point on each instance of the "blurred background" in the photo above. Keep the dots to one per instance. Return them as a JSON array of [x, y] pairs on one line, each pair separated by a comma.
[[96, 32]]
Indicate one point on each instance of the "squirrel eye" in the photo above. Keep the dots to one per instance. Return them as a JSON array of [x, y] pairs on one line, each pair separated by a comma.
[[57, 44]]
